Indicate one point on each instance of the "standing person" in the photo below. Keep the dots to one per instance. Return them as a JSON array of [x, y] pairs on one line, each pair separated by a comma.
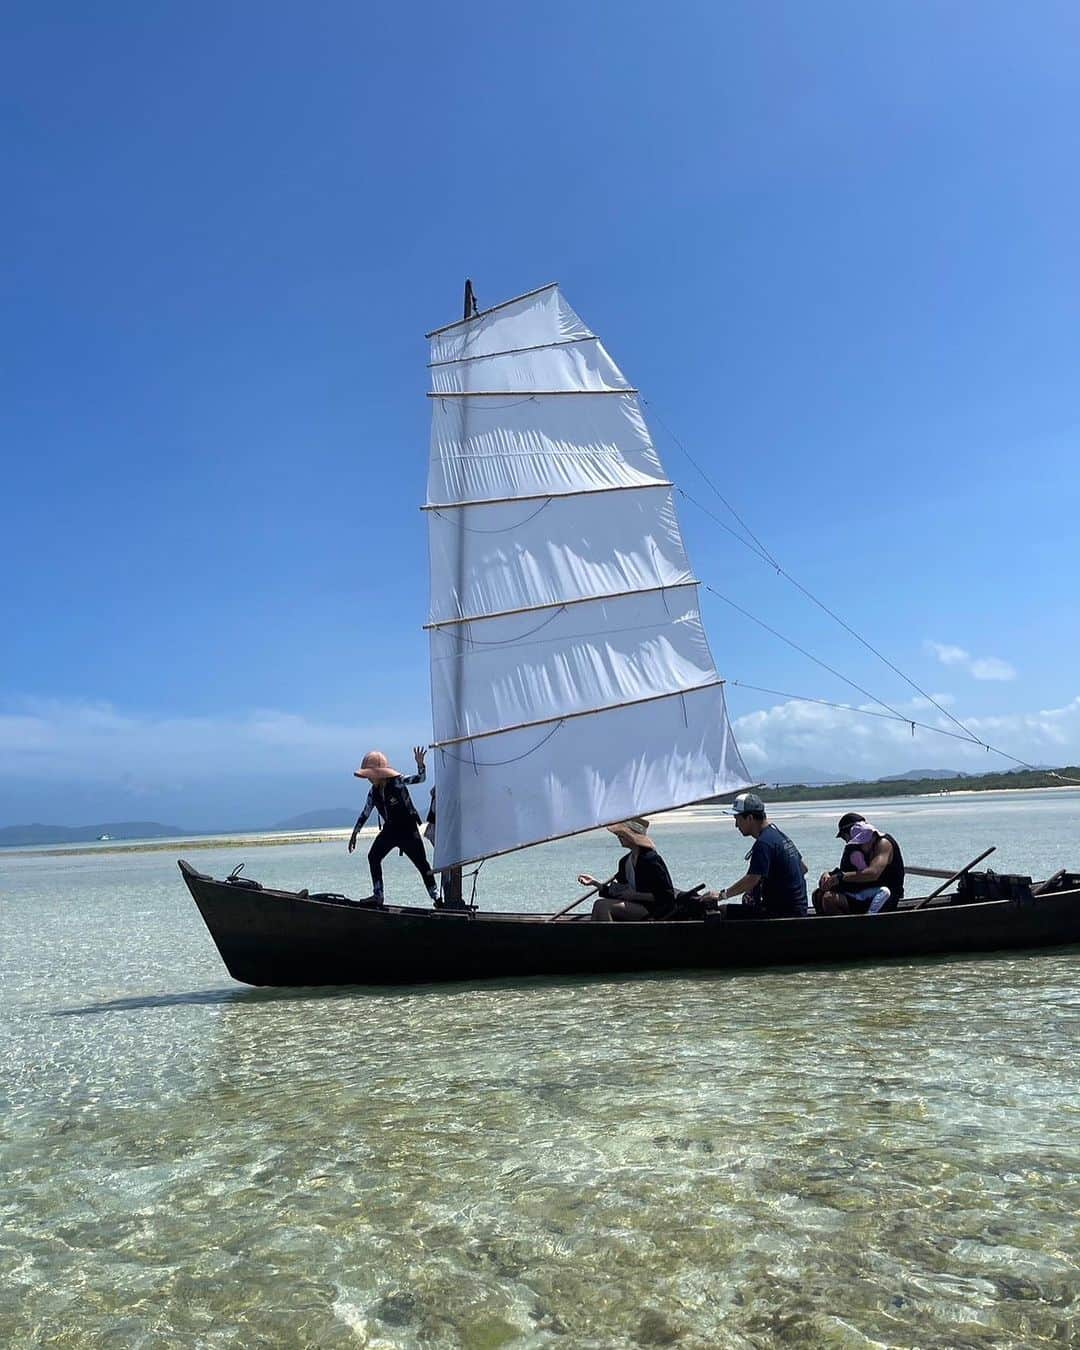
[[389, 796], [870, 878], [775, 879], [642, 886]]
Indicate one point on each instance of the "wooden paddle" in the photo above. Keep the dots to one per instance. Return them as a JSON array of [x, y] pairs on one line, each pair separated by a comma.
[[1050, 882], [955, 877], [574, 903]]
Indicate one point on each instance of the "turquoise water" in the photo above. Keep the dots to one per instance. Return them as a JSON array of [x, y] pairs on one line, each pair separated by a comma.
[[842, 1157]]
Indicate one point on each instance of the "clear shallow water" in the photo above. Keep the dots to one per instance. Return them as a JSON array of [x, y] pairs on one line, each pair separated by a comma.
[[851, 1156]]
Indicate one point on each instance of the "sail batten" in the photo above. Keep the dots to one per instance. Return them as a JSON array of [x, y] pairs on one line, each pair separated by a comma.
[[537, 496], [572, 681], [565, 717], [561, 604], [483, 314]]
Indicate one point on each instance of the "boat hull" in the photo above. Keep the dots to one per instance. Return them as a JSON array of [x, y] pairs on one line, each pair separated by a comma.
[[269, 937]]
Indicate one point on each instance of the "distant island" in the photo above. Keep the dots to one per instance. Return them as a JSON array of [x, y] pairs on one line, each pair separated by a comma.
[[931, 781], [26, 835], [916, 775], [914, 783], [332, 818]]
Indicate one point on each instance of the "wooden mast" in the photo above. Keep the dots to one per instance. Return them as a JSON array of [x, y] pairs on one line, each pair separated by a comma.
[[451, 877]]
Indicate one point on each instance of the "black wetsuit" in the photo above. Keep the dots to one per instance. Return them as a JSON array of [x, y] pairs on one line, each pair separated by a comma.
[[400, 829], [652, 883]]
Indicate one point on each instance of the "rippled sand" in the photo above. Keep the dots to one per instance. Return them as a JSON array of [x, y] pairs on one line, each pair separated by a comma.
[[844, 1157]]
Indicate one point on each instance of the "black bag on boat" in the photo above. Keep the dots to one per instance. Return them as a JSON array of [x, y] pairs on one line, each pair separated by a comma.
[[689, 904], [975, 886], [730, 913]]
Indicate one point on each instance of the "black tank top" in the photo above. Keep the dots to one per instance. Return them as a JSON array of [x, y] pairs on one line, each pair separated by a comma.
[[893, 875]]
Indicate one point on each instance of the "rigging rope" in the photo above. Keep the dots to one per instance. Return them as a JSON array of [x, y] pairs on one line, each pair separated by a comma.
[[478, 764], [467, 640], [502, 529], [809, 655], [754, 544], [759, 547], [767, 557], [907, 721], [749, 540]]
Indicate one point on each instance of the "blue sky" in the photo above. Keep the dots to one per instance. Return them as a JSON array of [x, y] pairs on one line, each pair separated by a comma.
[[833, 244]]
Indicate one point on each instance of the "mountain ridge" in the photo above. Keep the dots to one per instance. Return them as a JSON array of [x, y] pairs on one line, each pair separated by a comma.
[[84, 834]]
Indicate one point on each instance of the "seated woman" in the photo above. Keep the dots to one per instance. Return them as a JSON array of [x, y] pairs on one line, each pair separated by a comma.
[[642, 887]]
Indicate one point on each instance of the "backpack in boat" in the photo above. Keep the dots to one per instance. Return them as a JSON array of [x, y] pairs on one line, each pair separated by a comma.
[[975, 886], [689, 904]]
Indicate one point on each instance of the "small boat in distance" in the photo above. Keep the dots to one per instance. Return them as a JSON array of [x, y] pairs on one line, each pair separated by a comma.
[[572, 686]]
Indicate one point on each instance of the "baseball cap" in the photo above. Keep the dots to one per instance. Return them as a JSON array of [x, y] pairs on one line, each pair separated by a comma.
[[846, 821], [745, 802]]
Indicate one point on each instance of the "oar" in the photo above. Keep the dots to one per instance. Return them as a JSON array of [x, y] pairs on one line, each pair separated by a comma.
[[1050, 882], [955, 877], [574, 903]]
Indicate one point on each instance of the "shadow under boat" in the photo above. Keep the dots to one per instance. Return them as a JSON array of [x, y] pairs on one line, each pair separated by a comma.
[[286, 938]]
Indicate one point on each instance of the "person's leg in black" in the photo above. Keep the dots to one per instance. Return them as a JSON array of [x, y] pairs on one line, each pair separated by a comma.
[[384, 842], [412, 846]]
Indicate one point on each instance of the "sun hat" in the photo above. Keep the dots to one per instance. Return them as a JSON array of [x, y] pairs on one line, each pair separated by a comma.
[[635, 828], [846, 821], [744, 803], [375, 767]]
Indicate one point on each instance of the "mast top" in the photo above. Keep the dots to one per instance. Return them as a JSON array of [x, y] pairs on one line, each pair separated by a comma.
[[479, 314]]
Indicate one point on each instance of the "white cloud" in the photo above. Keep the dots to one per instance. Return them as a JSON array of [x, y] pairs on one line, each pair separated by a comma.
[[949, 656], [50, 739], [852, 742], [992, 668], [978, 667]]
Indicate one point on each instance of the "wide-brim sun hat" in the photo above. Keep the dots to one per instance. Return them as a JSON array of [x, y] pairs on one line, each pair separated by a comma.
[[635, 828], [375, 767]]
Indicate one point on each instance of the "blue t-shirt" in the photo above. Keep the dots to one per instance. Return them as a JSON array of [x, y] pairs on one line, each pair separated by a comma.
[[775, 859]]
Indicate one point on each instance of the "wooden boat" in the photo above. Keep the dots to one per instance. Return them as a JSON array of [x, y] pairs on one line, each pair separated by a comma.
[[572, 687], [274, 937]]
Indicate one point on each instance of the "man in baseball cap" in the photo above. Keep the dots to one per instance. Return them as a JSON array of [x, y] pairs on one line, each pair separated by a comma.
[[775, 879], [746, 803]]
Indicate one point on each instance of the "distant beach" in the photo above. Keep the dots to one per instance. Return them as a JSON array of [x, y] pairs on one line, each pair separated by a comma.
[[682, 815]]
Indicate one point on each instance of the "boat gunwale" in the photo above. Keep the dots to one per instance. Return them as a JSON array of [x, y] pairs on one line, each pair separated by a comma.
[[910, 905]]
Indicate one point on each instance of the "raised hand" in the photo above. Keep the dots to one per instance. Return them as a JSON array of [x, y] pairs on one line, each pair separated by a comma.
[[418, 754]]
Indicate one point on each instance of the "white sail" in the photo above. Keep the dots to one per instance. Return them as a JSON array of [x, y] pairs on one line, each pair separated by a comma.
[[572, 682]]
